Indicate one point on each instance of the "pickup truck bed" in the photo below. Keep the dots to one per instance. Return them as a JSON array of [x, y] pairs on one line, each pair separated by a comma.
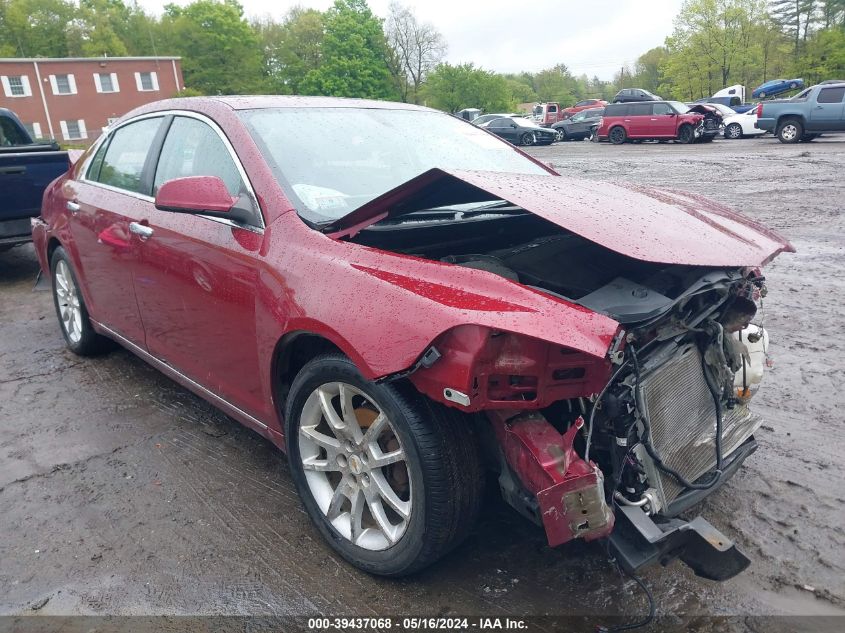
[[26, 168], [818, 109]]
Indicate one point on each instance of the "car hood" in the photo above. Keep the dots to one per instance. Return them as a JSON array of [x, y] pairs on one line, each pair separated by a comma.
[[638, 221]]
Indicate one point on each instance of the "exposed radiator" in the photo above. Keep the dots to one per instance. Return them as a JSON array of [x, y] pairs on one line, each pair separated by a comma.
[[682, 415]]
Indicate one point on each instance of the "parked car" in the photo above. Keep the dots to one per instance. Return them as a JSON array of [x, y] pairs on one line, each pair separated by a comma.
[[486, 118], [818, 109], [659, 120], [397, 299], [627, 95], [776, 87], [468, 114], [586, 104], [742, 125], [26, 168], [578, 126], [520, 131]]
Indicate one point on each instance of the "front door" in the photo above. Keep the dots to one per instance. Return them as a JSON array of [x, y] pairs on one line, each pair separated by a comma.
[[103, 202], [827, 113], [663, 120], [196, 277]]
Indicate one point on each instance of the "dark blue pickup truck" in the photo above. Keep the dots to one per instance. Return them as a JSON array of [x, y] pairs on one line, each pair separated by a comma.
[[26, 168]]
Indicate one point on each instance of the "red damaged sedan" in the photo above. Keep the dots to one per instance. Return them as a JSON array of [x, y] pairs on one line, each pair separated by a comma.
[[405, 304]]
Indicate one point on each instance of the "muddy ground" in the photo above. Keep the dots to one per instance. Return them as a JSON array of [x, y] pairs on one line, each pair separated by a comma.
[[123, 494]]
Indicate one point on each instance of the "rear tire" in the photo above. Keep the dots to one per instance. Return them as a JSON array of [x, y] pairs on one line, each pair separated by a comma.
[[618, 135], [733, 131], [71, 311], [790, 131], [438, 483]]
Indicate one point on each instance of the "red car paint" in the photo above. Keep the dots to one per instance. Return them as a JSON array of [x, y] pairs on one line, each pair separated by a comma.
[[672, 227], [217, 307], [663, 126], [582, 105], [551, 470]]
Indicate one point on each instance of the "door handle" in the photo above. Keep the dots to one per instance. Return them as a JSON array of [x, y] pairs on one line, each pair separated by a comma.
[[142, 231], [16, 169], [72, 206]]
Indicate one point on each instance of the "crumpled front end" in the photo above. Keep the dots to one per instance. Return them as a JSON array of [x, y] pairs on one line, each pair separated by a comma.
[[590, 440]]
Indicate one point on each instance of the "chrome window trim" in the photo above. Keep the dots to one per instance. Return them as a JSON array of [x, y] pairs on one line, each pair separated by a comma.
[[191, 115]]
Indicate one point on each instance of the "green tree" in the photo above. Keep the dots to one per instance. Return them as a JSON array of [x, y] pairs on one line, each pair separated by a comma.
[[35, 28], [291, 49], [219, 49], [354, 55], [452, 88]]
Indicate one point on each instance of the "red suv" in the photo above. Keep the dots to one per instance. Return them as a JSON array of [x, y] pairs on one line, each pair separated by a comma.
[[659, 120]]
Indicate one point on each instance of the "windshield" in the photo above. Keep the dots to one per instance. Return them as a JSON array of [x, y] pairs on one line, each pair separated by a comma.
[[331, 161], [677, 106]]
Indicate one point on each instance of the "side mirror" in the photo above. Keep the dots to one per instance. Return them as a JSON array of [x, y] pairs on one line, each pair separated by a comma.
[[195, 194], [513, 125]]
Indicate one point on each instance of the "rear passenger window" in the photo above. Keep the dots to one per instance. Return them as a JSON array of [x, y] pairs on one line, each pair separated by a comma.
[[126, 154], [831, 95], [616, 109], [639, 109], [193, 148]]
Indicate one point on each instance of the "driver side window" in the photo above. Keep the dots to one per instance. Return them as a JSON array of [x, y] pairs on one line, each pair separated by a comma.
[[662, 108], [193, 148]]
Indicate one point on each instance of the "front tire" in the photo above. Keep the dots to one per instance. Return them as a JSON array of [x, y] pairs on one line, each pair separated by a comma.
[[71, 310], [392, 480], [528, 139], [686, 134], [790, 131]]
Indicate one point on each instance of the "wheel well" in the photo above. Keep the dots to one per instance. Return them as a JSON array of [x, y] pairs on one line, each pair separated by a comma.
[[52, 245], [790, 117], [292, 352]]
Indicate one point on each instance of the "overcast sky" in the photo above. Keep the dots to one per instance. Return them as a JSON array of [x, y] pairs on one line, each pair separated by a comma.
[[595, 37]]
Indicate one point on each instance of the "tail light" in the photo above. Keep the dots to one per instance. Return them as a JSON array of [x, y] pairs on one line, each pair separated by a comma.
[[759, 110]]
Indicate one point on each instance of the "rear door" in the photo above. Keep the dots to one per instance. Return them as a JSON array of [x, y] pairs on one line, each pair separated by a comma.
[[105, 202], [827, 112], [639, 120], [196, 277], [505, 128]]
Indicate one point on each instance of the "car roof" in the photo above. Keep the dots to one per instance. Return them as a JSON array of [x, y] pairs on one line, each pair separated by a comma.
[[258, 102]]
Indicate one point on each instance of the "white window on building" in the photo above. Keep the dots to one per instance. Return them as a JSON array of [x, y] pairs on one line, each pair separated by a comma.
[[146, 82], [34, 130], [16, 86], [63, 84], [106, 82], [73, 130]]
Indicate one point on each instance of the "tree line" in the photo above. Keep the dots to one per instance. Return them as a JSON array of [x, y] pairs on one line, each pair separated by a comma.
[[348, 51]]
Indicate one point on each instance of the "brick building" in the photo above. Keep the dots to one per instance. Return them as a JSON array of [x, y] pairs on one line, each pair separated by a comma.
[[73, 99]]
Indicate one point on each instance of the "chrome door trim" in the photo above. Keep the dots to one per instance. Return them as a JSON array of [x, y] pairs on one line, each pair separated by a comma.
[[170, 371], [216, 128]]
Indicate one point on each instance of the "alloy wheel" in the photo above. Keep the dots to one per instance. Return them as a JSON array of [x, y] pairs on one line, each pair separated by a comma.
[[67, 296], [734, 130], [789, 132], [355, 465]]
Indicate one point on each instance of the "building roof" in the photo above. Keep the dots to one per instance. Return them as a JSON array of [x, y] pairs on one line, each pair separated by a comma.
[[86, 59]]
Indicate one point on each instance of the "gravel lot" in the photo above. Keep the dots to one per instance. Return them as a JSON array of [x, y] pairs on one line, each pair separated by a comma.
[[123, 494]]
